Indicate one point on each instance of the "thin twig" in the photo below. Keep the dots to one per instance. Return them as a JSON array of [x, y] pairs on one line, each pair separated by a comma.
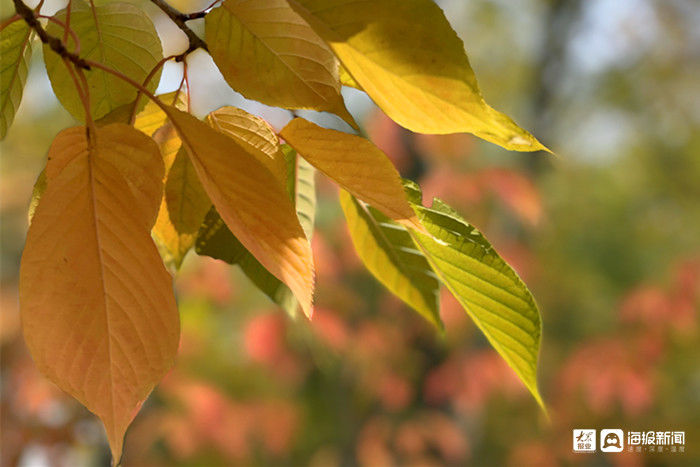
[[67, 28], [179, 19], [182, 82], [53, 42], [187, 85], [148, 79]]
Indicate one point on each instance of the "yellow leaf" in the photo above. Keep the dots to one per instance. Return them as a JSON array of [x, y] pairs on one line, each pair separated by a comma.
[[97, 304], [254, 135], [152, 117], [391, 255], [174, 231], [355, 164], [347, 80], [405, 55], [267, 52], [252, 202]]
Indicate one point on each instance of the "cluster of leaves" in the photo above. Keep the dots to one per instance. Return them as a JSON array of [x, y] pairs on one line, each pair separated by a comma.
[[143, 181]]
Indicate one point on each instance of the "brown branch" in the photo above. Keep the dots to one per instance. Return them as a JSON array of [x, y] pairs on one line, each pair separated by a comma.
[[180, 19], [53, 42]]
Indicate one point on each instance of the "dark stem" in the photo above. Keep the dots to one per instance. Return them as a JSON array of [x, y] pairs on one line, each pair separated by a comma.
[[53, 42], [180, 19]]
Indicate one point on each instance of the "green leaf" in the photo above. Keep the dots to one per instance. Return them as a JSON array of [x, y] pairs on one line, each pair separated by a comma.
[[390, 254], [186, 204], [486, 286], [267, 52], [118, 35], [216, 240], [15, 52], [301, 184], [407, 58]]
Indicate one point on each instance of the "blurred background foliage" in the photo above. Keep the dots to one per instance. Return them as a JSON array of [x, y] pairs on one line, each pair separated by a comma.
[[607, 235]]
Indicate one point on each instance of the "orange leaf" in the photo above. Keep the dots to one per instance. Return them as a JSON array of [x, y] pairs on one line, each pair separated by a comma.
[[253, 134], [355, 164], [252, 202], [96, 302]]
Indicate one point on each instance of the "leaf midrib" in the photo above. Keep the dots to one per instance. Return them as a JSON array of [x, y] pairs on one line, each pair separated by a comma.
[[91, 154]]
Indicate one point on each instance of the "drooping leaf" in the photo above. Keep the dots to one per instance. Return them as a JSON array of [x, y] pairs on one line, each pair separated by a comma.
[[253, 134], [409, 60], [390, 254], [15, 52], [216, 240], [486, 286], [97, 305], [355, 164], [252, 202], [267, 52], [119, 35]]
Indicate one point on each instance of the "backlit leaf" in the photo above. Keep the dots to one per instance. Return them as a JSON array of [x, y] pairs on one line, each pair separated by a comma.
[[301, 185], [267, 52], [15, 52], [409, 60], [486, 286], [252, 202], [118, 35], [186, 204], [347, 80], [216, 240], [355, 164], [174, 238], [152, 117], [389, 253], [253, 134], [97, 305]]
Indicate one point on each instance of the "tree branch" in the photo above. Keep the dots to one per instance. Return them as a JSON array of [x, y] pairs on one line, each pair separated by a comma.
[[55, 43], [180, 19]]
